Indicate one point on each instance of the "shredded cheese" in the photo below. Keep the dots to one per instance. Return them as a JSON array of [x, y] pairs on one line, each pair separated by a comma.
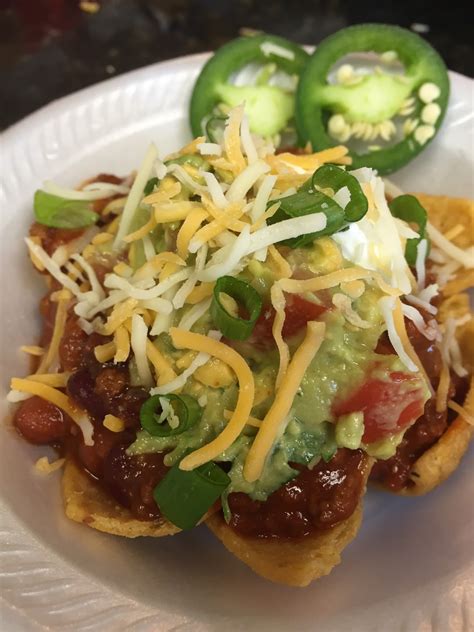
[[43, 465], [164, 372], [197, 342], [113, 423], [420, 267], [33, 350], [462, 412], [464, 257], [232, 139], [122, 344], [344, 304], [188, 229], [138, 340], [251, 421], [273, 423], [443, 389], [52, 267], [135, 195], [58, 331], [278, 303]]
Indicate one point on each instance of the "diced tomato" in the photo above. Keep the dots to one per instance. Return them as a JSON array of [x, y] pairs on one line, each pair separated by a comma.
[[298, 312], [388, 406]]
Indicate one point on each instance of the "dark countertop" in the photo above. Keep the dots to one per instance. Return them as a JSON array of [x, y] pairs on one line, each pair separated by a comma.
[[50, 48]]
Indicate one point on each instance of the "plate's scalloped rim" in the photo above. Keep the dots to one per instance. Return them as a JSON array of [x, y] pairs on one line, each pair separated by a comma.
[[35, 581]]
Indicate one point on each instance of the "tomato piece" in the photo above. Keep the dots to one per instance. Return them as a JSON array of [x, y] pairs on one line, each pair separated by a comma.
[[298, 311], [388, 406]]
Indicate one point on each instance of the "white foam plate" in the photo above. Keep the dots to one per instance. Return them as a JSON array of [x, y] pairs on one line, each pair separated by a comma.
[[411, 566]]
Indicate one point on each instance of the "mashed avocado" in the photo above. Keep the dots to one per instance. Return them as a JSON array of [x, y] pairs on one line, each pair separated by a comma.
[[340, 366]]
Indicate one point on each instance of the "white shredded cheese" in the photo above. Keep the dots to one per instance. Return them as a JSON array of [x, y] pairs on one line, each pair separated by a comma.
[[230, 256], [245, 181], [210, 149], [52, 267], [342, 197], [247, 141], [421, 250], [194, 314], [270, 48], [263, 195], [181, 380], [215, 189], [135, 195], [138, 339], [387, 305], [430, 332], [91, 192]]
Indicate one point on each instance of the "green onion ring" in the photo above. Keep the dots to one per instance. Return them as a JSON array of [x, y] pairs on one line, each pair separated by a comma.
[[235, 327], [189, 412]]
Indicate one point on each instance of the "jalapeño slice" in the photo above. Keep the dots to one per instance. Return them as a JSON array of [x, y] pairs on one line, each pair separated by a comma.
[[394, 116]]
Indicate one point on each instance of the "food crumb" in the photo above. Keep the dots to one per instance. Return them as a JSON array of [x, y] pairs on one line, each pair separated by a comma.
[[89, 7], [420, 28]]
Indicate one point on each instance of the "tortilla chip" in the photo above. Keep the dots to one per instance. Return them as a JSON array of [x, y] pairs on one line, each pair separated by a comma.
[[86, 502], [291, 562], [447, 212], [440, 461], [465, 337]]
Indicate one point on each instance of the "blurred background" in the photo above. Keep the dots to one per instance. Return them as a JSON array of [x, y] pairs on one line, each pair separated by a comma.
[[50, 48]]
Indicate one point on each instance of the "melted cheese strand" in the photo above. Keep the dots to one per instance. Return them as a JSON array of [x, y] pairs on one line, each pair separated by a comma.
[[245, 181], [278, 302], [89, 193], [58, 331], [295, 286], [135, 195], [141, 232], [197, 342], [138, 340], [261, 199], [232, 139], [387, 307], [464, 257], [122, 344], [272, 425], [247, 141], [164, 372], [443, 389], [247, 244], [462, 412], [52, 267], [190, 226], [420, 268], [91, 275]]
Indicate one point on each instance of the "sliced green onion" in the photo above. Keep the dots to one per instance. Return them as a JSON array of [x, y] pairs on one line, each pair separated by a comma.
[[57, 212], [186, 409], [335, 178], [408, 208], [309, 200], [305, 203], [189, 159], [184, 497], [214, 127], [150, 185], [246, 296]]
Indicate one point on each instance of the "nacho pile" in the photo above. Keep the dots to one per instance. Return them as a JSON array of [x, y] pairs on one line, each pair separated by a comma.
[[235, 336]]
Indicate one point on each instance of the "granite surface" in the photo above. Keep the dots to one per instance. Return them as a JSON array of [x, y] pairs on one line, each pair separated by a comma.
[[50, 48]]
